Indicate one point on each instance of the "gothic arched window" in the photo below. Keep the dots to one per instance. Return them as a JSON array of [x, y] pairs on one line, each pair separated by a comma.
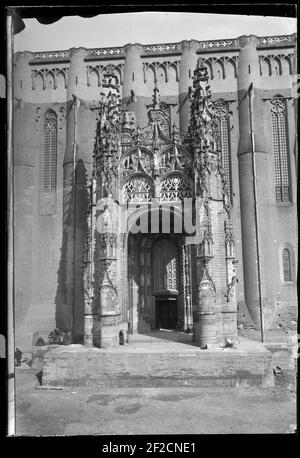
[[50, 151], [286, 265], [280, 150], [222, 114]]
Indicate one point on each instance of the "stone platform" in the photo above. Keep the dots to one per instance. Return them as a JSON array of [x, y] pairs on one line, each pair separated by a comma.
[[159, 359]]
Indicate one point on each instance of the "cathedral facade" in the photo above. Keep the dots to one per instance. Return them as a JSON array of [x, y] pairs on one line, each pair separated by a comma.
[[155, 187]]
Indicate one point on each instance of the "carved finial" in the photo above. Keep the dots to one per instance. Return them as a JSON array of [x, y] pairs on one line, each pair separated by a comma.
[[126, 120], [133, 97], [155, 98], [173, 132], [155, 139], [138, 135]]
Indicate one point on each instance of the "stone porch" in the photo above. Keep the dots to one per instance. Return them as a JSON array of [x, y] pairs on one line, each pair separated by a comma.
[[161, 358]]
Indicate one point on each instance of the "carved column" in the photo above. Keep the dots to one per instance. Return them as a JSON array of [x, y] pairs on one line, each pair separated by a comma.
[[188, 314], [204, 145], [106, 160], [205, 326], [109, 310], [88, 266], [229, 310]]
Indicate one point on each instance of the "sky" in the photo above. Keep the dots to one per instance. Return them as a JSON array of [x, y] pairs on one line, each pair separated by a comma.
[[147, 28]]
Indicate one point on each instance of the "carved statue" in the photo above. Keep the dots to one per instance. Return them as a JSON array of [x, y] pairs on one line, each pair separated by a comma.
[[230, 288], [107, 220], [156, 160]]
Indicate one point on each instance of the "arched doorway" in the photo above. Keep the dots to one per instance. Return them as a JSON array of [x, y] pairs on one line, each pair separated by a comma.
[[156, 290], [165, 281]]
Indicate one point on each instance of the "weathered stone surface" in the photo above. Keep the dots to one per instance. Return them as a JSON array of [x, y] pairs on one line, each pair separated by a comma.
[[153, 362], [49, 239]]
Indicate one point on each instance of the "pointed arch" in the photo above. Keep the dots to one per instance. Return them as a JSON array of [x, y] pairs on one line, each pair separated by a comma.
[[94, 77], [149, 73], [287, 68], [50, 151], [266, 69], [287, 263], [276, 63], [223, 119], [219, 68], [230, 66], [173, 66], [280, 149], [50, 80], [133, 160], [163, 68], [61, 78], [39, 80]]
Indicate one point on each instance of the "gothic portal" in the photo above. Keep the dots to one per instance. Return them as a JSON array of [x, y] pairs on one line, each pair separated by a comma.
[[159, 249]]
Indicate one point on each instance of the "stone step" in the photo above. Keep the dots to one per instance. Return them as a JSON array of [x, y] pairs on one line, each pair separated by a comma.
[[165, 364]]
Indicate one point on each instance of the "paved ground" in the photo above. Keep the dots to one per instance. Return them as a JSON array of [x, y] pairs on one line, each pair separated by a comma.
[[131, 411]]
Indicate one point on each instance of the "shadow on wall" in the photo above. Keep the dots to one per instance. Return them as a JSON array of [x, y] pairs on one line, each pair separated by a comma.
[[69, 298]]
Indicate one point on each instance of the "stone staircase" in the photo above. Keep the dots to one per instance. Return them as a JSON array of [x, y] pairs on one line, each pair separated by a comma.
[[158, 360]]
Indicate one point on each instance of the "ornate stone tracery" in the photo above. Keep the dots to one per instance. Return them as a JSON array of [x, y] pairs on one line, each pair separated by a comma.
[[138, 189], [211, 184], [278, 105], [107, 143], [276, 64], [157, 165], [175, 187], [218, 66], [99, 72], [203, 130], [164, 66], [165, 267], [135, 160], [229, 239], [49, 75]]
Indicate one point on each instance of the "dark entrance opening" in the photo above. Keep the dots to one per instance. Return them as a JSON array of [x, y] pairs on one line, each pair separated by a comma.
[[166, 312]]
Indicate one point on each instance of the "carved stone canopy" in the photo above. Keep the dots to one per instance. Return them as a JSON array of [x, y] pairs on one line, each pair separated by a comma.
[[108, 296], [158, 165], [206, 285]]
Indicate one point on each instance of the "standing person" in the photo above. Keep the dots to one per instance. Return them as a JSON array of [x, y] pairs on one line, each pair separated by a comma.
[[18, 356]]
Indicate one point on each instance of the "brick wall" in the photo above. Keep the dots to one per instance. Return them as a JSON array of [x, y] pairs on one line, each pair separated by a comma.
[[79, 367], [39, 219]]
